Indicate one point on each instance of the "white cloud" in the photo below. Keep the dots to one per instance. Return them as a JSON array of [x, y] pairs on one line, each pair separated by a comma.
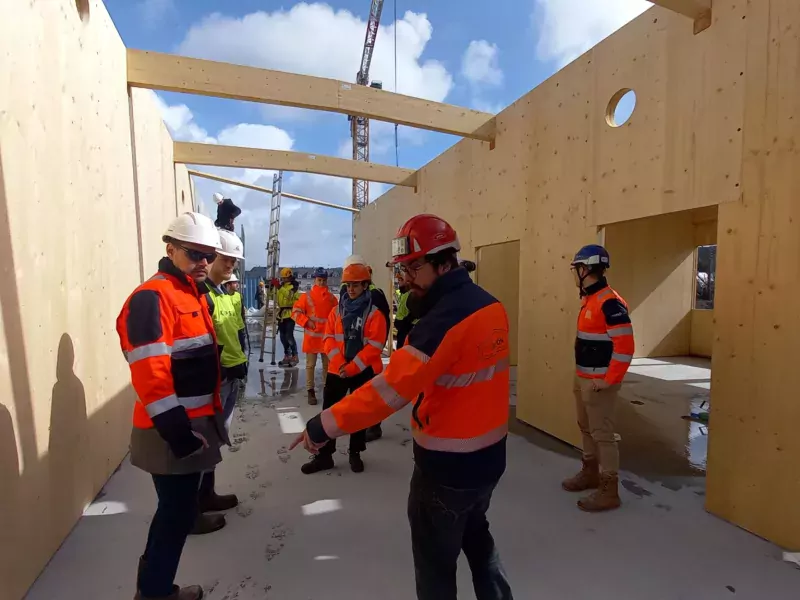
[[278, 40], [480, 65], [568, 28], [310, 235], [154, 11]]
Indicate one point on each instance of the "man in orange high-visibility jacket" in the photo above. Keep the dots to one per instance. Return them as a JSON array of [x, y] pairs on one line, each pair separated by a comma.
[[604, 349], [355, 335], [168, 339], [455, 368], [311, 313]]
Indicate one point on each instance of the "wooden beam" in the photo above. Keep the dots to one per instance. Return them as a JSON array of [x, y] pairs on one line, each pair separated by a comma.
[[258, 188], [698, 11], [283, 160], [174, 73]]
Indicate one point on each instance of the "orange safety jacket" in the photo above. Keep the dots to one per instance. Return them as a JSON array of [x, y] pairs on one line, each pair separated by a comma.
[[168, 339], [604, 343], [374, 333], [455, 367], [311, 313]]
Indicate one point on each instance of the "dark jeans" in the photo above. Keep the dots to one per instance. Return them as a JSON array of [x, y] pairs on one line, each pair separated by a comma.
[[174, 519], [444, 521], [286, 330], [335, 389]]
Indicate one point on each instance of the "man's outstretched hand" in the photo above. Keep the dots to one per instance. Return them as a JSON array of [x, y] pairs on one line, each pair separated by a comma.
[[307, 443]]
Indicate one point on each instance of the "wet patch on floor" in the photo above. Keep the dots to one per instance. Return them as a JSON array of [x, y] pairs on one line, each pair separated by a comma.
[[635, 489]]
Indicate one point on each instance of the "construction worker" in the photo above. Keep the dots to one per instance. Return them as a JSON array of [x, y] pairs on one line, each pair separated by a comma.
[[232, 285], [286, 297], [403, 320], [355, 335], [455, 369], [603, 352], [382, 304], [168, 339], [311, 313], [261, 295]]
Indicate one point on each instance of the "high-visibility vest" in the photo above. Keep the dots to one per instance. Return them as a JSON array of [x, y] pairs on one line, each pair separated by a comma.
[[168, 339], [455, 367], [228, 323], [311, 312], [286, 297], [604, 343], [373, 333]]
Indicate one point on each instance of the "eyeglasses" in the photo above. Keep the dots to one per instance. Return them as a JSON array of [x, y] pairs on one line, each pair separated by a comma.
[[411, 269], [198, 256]]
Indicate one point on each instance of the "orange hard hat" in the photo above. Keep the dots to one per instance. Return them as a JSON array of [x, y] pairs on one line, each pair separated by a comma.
[[355, 273], [423, 235]]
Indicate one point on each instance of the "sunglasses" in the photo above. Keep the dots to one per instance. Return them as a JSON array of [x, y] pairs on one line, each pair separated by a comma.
[[198, 256]]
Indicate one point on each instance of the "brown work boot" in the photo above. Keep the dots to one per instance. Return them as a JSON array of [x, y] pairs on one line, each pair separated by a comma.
[[605, 498], [208, 523], [312, 397], [588, 478], [193, 592]]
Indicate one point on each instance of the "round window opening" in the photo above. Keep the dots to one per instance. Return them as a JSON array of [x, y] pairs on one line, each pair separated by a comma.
[[621, 107]]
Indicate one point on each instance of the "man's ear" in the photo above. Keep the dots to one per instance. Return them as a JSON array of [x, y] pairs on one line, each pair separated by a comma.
[[170, 250]]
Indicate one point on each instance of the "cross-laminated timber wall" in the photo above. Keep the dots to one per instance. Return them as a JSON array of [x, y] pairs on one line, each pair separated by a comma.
[[76, 235], [716, 123]]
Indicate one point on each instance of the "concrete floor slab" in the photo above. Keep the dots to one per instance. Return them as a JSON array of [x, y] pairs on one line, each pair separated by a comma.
[[339, 535]]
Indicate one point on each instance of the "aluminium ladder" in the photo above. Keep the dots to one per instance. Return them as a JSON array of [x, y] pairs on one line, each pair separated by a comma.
[[273, 265]]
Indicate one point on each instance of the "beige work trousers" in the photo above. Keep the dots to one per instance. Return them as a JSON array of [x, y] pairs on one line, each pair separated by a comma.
[[596, 419], [311, 365]]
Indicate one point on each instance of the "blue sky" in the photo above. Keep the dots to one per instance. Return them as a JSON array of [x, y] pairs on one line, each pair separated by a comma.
[[465, 52]]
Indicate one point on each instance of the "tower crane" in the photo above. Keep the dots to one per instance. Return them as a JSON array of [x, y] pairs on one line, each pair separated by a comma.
[[359, 126]]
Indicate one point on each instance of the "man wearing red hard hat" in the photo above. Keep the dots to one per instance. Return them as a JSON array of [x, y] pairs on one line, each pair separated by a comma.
[[455, 369]]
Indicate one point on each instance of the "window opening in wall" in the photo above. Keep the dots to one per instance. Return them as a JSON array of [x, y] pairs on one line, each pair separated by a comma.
[[83, 9], [621, 107], [705, 277]]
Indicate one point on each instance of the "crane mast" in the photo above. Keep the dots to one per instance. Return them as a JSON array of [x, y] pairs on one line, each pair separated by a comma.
[[359, 126]]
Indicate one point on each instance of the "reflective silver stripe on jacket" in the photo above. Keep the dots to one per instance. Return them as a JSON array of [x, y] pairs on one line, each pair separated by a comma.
[[620, 331], [418, 354], [461, 445], [592, 370], [190, 402], [193, 342], [148, 351], [319, 319], [374, 344], [388, 394], [333, 353], [330, 425], [623, 358], [157, 407], [449, 380], [359, 363], [314, 334], [595, 337]]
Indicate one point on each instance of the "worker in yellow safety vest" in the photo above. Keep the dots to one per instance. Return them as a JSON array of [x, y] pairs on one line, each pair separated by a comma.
[[287, 296]]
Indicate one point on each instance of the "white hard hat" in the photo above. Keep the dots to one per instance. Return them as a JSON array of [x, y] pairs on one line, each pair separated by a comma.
[[194, 228], [354, 259], [218, 198], [232, 246], [233, 278]]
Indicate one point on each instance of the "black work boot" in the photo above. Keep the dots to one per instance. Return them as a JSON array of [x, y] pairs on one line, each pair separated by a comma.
[[356, 464], [210, 501], [193, 592], [208, 524], [318, 462], [374, 433], [312, 397]]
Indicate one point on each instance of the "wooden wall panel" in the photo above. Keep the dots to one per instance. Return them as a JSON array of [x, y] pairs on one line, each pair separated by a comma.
[[702, 336], [498, 273], [653, 267], [682, 147], [754, 448], [70, 245]]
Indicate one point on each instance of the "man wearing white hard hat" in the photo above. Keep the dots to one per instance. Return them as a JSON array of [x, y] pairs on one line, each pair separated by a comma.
[[168, 339], [229, 327]]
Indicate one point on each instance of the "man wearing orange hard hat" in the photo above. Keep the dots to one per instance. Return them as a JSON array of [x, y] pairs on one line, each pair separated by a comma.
[[355, 335], [455, 369]]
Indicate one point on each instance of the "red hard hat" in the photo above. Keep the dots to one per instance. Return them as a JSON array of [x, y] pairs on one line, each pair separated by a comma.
[[423, 235]]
